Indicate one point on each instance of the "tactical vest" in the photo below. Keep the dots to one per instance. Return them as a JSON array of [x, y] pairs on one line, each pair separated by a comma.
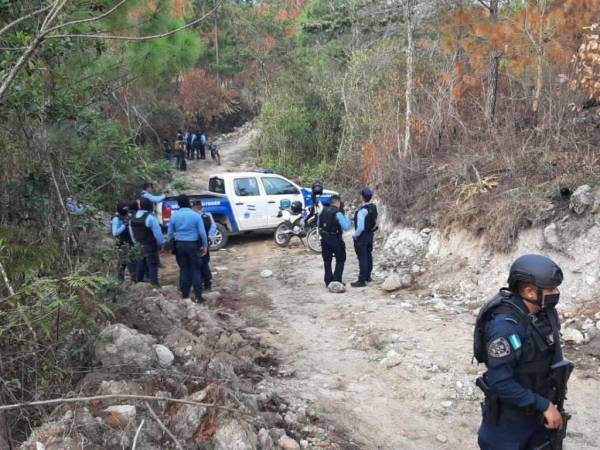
[[370, 220], [124, 237], [541, 345], [141, 232], [328, 223]]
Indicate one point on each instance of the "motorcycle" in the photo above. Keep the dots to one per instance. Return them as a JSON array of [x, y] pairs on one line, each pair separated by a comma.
[[302, 225], [214, 152]]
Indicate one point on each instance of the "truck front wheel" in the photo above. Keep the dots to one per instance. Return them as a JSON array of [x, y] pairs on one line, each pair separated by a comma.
[[220, 239]]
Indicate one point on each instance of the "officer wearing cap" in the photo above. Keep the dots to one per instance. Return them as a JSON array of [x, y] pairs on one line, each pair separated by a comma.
[[517, 337], [365, 223]]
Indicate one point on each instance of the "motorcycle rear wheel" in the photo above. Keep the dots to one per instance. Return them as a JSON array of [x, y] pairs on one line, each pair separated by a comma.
[[283, 233], [313, 240]]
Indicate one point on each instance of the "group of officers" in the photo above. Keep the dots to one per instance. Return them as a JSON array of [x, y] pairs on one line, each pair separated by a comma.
[[517, 333], [332, 223], [140, 240]]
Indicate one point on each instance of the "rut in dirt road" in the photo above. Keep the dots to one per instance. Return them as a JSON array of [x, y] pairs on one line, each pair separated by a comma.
[[388, 371]]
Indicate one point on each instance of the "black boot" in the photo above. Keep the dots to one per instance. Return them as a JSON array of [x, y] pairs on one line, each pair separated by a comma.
[[358, 284]]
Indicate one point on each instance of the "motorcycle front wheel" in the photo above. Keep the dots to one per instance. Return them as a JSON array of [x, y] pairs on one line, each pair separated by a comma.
[[283, 233], [313, 240]]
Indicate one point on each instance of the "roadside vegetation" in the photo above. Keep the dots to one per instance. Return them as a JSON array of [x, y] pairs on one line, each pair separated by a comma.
[[458, 113]]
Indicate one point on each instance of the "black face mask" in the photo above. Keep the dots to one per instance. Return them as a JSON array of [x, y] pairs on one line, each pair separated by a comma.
[[548, 301]]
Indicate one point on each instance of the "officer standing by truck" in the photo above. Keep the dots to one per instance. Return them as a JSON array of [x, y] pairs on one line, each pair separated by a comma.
[[186, 231], [365, 222], [517, 337], [146, 232], [332, 223], [211, 230], [120, 231]]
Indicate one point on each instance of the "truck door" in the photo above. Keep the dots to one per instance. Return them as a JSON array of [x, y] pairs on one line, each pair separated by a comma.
[[249, 204], [278, 189]]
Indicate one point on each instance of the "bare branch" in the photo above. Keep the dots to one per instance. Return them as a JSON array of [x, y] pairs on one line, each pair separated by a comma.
[[137, 38], [21, 19], [112, 397], [163, 427], [90, 19], [137, 434]]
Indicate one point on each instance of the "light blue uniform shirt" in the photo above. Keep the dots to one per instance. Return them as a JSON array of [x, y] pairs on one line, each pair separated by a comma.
[[360, 222], [187, 225], [202, 139], [343, 221], [118, 226], [153, 198], [151, 223]]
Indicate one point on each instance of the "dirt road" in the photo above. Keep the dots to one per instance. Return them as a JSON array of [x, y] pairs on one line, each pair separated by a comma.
[[388, 371]]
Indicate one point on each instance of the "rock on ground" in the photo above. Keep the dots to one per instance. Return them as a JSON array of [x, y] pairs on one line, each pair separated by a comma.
[[164, 355], [397, 281], [573, 335], [336, 287], [120, 346], [287, 443], [581, 199], [266, 273], [119, 416], [234, 435]]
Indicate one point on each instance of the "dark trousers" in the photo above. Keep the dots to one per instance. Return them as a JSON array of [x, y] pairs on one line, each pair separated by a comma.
[[363, 245], [333, 246], [206, 273], [515, 433], [202, 150], [126, 263], [187, 254], [148, 263], [190, 152]]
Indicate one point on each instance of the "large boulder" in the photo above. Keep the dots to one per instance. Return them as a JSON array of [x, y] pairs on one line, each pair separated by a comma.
[[120, 346], [581, 199]]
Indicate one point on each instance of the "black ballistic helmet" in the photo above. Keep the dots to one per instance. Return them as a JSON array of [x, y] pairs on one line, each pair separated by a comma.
[[317, 188], [296, 207], [537, 270]]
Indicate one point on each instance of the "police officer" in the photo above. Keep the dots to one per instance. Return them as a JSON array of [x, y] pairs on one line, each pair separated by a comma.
[[187, 231], [145, 231], [211, 230], [517, 336], [332, 223], [148, 193], [119, 228], [365, 222]]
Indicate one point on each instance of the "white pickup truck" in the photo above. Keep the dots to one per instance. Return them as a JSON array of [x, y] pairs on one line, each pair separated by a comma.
[[242, 202]]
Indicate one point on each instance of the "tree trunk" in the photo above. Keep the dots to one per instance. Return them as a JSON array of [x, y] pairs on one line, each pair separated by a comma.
[[539, 75], [410, 69], [492, 71]]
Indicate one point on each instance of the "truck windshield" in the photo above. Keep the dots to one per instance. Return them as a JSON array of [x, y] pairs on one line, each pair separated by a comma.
[[216, 185]]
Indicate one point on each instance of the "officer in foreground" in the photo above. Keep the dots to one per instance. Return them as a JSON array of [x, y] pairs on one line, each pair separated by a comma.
[[187, 233], [332, 223], [517, 337], [145, 231], [365, 222]]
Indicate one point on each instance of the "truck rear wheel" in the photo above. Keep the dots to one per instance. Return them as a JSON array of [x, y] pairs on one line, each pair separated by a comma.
[[220, 239]]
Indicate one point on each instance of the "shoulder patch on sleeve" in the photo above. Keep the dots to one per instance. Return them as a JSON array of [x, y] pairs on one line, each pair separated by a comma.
[[498, 348], [515, 341]]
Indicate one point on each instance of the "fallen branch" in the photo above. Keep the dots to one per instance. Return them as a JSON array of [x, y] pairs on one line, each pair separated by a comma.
[[137, 433], [111, 397], [163, 427]]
